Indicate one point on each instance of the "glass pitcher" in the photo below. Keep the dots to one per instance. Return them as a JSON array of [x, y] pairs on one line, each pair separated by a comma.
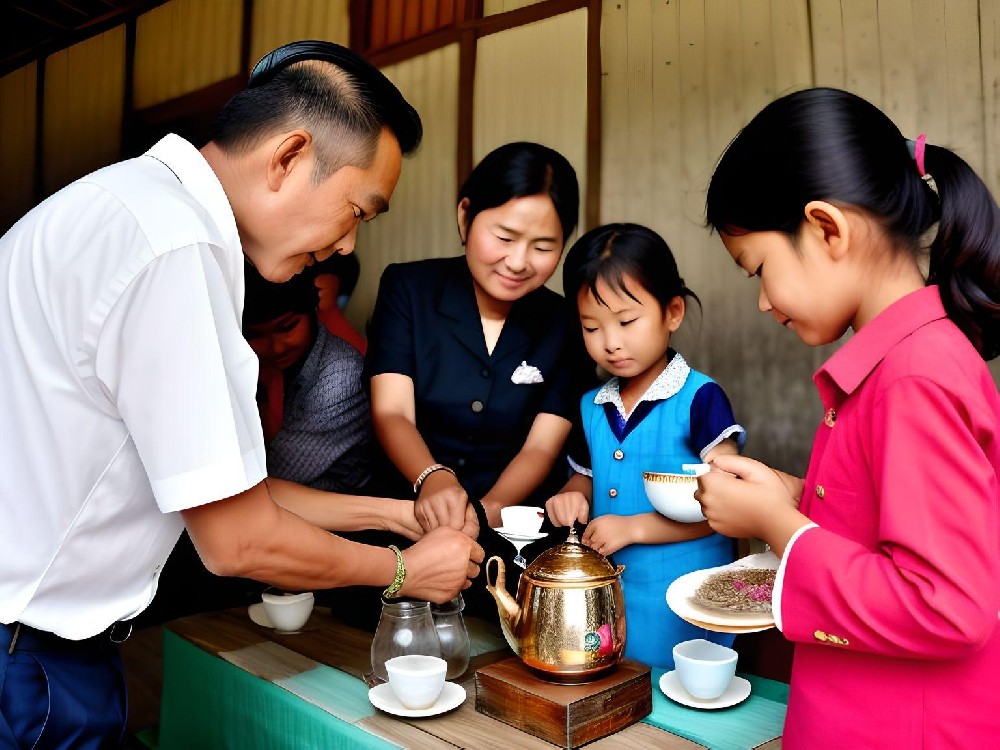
[[452, 635], [404, 627]]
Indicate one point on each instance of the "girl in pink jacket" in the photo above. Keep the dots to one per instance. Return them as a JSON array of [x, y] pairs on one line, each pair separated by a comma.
[[889, 583]]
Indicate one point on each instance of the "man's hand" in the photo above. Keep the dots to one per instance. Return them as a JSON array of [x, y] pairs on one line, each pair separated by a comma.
[[568, 508], [440, 565]]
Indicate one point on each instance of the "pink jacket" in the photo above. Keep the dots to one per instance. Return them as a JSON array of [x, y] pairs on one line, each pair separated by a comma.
[[893, 601]]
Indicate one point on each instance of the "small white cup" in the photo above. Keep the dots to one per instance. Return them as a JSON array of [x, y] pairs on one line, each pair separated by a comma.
[[416, 680], [522, 519], [705, 669], [286, 611]]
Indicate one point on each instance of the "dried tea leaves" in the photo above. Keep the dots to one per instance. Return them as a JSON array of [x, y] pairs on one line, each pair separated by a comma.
[[737, 590]]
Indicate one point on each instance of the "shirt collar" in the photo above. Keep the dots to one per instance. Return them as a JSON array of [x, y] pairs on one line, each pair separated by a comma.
[[199, 179], [862, 353], [667, 383]]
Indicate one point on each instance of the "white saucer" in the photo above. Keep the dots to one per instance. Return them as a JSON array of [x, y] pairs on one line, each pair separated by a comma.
[[737, 692], [680, 599], [520, 536], [258, 614], [382, 697]]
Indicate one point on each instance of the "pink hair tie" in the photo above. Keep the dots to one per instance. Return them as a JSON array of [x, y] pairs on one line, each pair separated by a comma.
[[918, 153]]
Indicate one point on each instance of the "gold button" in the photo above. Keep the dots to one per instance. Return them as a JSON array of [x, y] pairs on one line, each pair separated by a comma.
[[613, 492], [820, 492], [831, 417], [477, 406], [819, 635], [619, 454]]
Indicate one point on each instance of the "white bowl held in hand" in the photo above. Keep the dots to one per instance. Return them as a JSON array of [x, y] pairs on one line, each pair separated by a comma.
[[673, 495], [705, 669], [522, 519], [416, 680], [287, 611]]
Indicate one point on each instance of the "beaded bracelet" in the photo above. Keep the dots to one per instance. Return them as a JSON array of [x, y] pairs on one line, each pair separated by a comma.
[[397, 582]]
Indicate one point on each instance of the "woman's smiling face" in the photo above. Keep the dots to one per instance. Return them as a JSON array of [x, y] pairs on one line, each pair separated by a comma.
[[514, 248]]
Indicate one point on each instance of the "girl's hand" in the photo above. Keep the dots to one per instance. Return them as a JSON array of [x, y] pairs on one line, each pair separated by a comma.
[[442, 502], [492, 514], [741, 497], [567, 508], [608, 534]]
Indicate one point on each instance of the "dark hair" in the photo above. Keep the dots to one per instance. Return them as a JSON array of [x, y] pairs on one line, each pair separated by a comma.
[[609, 253], [266, 300], [827, 144], [517, 170], [332, 92]]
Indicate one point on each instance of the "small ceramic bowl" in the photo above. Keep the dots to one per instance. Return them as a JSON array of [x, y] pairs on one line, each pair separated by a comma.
[[673, 495], [416, 680], [704, 669], [287, 611]]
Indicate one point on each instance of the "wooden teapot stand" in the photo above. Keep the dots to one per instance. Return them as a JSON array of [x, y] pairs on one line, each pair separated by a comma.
[[565, 715]]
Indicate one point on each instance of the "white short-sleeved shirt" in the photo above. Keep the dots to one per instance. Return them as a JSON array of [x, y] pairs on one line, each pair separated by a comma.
[[126, 386]]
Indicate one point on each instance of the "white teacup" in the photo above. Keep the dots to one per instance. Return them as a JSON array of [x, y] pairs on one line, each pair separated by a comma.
[[522, 519], [704, 669], [287, 611], [416, 680]]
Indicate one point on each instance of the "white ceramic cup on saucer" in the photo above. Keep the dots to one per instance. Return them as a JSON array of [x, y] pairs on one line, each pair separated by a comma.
[[522, 519], [287, 611], [704, 669], [417, 680]]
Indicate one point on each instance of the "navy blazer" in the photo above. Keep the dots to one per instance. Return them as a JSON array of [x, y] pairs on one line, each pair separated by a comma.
[[474, 419]]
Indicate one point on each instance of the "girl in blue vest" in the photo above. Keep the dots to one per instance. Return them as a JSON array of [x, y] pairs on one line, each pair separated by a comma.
[[654, 414]]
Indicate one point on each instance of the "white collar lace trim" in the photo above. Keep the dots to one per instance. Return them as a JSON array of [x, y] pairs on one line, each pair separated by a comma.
[[667, 384]]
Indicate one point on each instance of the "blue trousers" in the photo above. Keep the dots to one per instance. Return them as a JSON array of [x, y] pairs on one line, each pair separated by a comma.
[[61, 699]]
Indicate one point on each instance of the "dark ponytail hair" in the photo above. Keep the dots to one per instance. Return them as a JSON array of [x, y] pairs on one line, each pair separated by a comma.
[[519, 170], [828, 144], [609, 253]]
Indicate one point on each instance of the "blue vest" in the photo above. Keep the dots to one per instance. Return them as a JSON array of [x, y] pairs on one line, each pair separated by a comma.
[[660, 442]]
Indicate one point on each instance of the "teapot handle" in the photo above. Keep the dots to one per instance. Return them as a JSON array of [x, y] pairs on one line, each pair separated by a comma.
[[620, 570], [501, 571]]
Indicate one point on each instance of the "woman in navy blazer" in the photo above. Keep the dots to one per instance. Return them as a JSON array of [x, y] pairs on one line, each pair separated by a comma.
[[473, 363]]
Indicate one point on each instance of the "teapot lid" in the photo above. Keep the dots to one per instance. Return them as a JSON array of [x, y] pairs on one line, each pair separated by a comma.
[[571, 563]]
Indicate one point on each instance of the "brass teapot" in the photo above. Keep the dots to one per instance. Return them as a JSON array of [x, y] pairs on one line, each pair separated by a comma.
[[568, 622]]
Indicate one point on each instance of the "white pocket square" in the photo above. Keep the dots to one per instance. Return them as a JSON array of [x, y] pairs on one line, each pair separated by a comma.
[[526, 373]]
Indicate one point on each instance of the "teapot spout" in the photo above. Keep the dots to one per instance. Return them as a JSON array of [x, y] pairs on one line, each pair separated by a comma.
[[508, 608]]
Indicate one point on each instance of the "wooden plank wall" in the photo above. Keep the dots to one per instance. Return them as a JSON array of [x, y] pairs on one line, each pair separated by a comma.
[[18, 102], [680, 77], [421, 222], [83, 103], [507, 80]]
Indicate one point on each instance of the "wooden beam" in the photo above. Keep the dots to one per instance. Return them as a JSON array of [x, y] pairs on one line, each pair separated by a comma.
[[592, 207], [466, 104]]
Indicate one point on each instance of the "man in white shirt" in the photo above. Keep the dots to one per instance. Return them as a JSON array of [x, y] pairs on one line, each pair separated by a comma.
[[127, 401]]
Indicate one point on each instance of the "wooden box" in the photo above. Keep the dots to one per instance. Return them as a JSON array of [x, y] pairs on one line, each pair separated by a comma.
[[565, 715]]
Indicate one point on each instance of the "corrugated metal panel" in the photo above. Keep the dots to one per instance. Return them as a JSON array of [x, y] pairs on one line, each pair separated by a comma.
[[184, 46], [515, 103], [422, 221], [83, 108], [492, 7], [277, 22], [17, 143]]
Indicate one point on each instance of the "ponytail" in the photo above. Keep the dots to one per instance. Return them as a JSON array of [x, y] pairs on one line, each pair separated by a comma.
[[829, 144], [965, 254]]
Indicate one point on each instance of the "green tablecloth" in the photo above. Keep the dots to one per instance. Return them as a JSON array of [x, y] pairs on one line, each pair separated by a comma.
[[209, 703], [753, 722]]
